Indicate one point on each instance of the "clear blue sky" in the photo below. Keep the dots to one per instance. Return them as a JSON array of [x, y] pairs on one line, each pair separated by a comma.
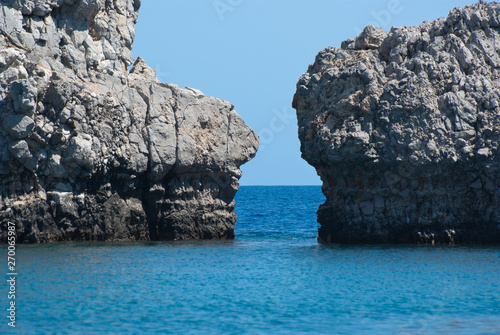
[[252, 53]]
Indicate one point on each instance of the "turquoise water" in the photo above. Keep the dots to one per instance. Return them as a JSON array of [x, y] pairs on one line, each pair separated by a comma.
[[273, 279]]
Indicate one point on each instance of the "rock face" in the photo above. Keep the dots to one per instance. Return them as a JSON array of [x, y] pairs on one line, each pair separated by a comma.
[[90, 151], [404, 129]]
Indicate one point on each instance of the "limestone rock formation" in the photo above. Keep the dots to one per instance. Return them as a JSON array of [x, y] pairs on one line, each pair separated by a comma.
[[90, 151], [404, 130]]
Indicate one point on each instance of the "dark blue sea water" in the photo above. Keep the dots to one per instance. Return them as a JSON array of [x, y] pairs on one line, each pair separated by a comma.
[[273, 279]]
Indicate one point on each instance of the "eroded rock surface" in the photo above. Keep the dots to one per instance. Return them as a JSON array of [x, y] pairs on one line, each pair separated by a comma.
[[404, 128], [90, 151]]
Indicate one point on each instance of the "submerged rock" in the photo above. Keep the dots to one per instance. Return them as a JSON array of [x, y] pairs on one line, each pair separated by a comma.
[[91, 151], [403, 129]]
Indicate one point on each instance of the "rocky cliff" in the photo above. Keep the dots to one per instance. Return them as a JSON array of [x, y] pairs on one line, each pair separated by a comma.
[[90, 151], [404, 128]]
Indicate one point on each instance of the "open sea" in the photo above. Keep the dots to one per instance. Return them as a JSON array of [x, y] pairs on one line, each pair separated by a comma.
[[274, 278]]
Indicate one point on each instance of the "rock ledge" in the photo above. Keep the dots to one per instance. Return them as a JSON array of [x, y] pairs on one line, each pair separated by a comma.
[[404, 129], [92, 152]]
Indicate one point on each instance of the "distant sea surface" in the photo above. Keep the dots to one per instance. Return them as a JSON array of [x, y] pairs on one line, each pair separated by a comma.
[[274, 278]]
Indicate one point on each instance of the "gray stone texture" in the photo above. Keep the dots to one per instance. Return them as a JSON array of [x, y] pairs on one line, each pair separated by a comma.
[[18, 126], [92, 152], [404, 129]]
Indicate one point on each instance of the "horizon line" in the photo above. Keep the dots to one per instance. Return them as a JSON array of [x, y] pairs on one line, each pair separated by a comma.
[[283, 185]]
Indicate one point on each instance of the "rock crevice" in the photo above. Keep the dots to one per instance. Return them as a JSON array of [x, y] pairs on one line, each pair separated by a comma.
[[92, 152], [403, 129]]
